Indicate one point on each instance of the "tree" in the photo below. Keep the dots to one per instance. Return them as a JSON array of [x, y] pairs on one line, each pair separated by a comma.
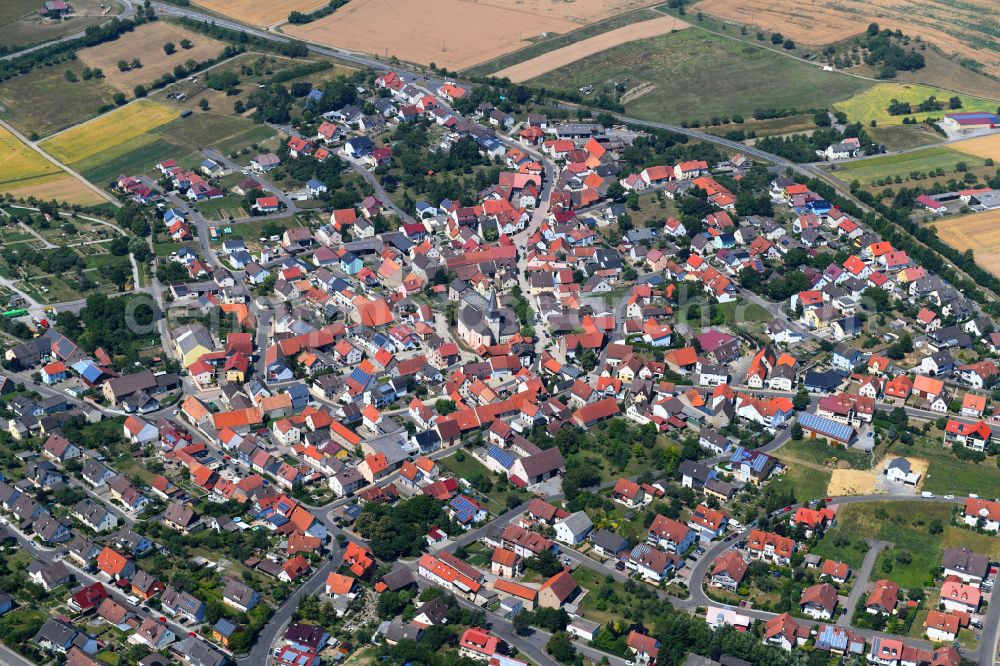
[[444, 406], [186, 43], [70, 76], [560, 647], [788, 44], [777, 38], [136, 63], [139, 91], [119, 99], [801, 400], [122, 65], [203, 104], [797, 431], [169, 48], [522, 623]]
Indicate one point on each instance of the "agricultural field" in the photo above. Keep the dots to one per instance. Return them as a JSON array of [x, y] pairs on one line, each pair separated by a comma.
[[567, 55], [26, 173], [986, 147], [741, 77], [873, 104], [146, 43], [979, 232], [20, 24], [965, 29], [134, 138], [44, 101], [923, 160], [259, 13], [478, 31], [104, 135]]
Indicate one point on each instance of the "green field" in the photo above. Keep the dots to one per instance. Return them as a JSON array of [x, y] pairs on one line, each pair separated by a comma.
[[922, 160], [43, 101], [179, 139], [809, 483], [697, 76], [907, 525], [903, 137], [820, 453], [946, 474], [873, 103]]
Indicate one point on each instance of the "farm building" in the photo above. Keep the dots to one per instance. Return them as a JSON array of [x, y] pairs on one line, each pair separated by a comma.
[[970, 121]]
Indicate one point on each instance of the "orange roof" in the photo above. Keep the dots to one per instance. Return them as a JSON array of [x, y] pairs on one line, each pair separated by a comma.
[[682, 357], [974, 402], [111, 562], [377, 462], [236, 418], [339, 584], [504, 557], [194, 408], [515, 589], [924, 384]]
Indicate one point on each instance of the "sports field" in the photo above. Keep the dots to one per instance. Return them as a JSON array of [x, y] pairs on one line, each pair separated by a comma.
[[25, 173], [979, 232], [103, 135], [693, 75], [923, 160], [146, 43], [967, 28], [529, 69], [452, 33], [873, 104], [257, 12]]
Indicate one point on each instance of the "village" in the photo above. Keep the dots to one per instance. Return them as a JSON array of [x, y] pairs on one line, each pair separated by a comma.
[[441, 372]]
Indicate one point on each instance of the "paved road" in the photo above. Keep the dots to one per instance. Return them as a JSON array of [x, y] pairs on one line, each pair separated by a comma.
[[861, 578]]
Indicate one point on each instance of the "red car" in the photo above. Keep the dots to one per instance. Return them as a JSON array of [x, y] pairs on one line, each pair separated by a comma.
[[163, 619]]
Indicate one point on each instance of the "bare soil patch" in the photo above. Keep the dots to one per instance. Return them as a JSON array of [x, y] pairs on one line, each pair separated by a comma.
[[851, 482], [260, 13], [957, 28], [146, 43], [543, 64], [452, 33]]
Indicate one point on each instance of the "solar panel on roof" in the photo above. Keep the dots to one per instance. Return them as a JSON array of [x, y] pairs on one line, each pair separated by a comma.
[[826, 426], [501, 456]]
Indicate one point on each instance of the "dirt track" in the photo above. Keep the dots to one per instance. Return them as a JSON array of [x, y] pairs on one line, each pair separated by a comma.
[[547, 62]]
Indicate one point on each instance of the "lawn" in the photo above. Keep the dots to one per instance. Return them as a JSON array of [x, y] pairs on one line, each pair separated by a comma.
[[820, 453], [43, 101], [903, 164], [808, 483], [697, 76], [105, 137], [471, 469], [903, 137], [946, 474], [873, 103]]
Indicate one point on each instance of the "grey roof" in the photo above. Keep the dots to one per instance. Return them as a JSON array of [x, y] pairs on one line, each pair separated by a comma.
[[965, 561], [398, 631], [199, 653], [578, 523], [609, 541], [436, 610]]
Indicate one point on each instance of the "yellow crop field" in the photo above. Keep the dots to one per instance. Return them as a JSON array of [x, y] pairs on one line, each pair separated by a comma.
[[979, 232], [19, 163], [104, 134], [873, 104], [984, 146], [26, 173]]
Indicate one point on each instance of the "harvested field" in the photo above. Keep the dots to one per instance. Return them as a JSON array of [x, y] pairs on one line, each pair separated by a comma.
[[873, 104], [477, 31], [25, 173], [110, 130], [965, 29], [851, 482], [983, 146], [529, 69], [260, 13], [979, 232], [146, 43]]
